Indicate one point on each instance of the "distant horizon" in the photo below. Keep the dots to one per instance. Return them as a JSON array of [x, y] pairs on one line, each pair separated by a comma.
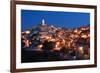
[[30, 18]]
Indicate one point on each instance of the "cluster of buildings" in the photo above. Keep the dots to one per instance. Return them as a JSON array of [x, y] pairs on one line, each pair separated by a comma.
[[68, 44]]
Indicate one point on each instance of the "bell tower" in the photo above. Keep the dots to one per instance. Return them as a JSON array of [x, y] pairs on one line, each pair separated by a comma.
[[43, 22]]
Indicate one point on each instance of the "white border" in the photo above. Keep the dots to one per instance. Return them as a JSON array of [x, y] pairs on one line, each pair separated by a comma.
[[20, 65]]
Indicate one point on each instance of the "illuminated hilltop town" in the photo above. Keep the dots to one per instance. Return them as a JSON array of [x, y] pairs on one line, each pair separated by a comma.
[[49, 43]]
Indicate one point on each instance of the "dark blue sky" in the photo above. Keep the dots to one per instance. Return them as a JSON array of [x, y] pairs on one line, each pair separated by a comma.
[[30, 18]]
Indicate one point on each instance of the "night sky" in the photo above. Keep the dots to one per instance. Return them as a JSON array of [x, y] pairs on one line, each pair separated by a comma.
[[30, 18]]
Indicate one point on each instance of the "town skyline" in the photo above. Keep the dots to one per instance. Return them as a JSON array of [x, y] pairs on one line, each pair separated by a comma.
[[49, 43], [70, 20]]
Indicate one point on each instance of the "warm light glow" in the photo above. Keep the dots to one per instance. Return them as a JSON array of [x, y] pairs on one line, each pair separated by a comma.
[[88, 35], [27, 43], [75, 31], [57, 48], [27, 32], [84, 36], [57, 44], [81, 50], [52, 40], [40, 46]]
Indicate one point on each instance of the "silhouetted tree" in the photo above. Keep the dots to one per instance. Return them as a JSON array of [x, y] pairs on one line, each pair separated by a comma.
[[48, 45]]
